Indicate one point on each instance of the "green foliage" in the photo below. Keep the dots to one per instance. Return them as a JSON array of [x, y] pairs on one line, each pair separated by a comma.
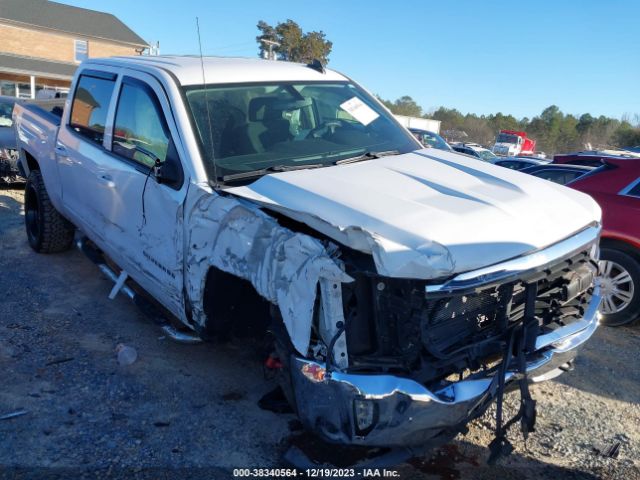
[[553, 130], [294, 44], [405, 105], [627, 136]]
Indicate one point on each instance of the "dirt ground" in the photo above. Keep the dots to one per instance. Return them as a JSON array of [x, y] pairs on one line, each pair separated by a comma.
[[185, 411]]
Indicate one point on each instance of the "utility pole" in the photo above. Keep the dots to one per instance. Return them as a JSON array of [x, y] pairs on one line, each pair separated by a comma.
[[271, 55], [154, 50]]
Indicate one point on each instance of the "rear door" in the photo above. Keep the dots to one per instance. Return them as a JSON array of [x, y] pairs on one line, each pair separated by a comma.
[[80, 151]]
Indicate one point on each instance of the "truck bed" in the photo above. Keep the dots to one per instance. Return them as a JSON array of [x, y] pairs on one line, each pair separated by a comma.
[[36, 131]]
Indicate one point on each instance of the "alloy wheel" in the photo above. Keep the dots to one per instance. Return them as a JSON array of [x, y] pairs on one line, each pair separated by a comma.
[[617, 287]]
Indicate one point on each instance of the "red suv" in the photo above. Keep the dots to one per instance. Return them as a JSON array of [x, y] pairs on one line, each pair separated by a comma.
[[594, 158], [615, 185]]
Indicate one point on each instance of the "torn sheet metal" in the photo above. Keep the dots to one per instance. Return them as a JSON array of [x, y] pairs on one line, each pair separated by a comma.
[[283, 266], [427, 214]]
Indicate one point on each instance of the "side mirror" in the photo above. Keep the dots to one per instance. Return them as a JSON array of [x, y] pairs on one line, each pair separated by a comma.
[[168, 173]]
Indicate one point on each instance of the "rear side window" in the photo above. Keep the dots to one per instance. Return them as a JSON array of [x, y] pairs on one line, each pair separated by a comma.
[[633, 190], [556, 176], [590, 163], [140, 131], [90, 107]]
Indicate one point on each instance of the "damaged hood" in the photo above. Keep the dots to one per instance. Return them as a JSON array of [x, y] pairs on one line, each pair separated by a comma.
[[427, 214]]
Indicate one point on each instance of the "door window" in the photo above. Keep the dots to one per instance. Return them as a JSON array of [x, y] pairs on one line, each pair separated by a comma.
[[556, 176], [140, 131], [90, 107]]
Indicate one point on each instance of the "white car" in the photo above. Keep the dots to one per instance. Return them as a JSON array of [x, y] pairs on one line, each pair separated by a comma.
[[475, 150], [391, 277]]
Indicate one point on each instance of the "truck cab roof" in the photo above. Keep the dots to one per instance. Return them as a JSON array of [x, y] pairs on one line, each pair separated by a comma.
[[188, 69]]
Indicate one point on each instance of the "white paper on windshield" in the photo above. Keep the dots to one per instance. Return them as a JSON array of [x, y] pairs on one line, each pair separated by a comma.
[[359, 110]]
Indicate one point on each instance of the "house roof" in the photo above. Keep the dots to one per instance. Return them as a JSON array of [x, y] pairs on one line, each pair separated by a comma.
[[65, 18], [35, 66]]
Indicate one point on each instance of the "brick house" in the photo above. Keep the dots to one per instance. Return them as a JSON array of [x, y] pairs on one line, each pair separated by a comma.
[[42, 43]]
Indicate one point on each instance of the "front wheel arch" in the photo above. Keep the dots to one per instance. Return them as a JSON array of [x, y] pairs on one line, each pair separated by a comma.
[[616, 244], [233, 306]]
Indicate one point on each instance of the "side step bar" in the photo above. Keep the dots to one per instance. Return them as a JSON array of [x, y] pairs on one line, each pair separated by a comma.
[[144, 304]]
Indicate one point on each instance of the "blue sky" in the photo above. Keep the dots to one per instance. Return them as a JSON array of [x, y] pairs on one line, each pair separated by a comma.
[[480, 56]]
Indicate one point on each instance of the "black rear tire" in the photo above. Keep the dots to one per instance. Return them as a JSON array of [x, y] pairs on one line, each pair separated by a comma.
[[622, 262], [47, 230]]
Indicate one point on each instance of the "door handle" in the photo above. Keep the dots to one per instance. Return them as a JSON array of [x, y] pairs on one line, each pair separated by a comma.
[[61, 150], [107, 180]]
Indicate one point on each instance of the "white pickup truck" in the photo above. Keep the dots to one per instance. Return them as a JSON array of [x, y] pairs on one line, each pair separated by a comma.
[[405, 288]]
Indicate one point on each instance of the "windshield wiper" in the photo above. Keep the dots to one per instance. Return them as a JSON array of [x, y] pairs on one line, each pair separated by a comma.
[[272, 169], [367, 156]]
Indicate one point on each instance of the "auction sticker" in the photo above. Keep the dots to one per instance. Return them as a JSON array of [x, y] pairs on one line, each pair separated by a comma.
[[359, 110]]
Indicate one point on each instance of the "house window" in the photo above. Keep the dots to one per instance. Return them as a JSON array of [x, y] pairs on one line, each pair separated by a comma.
[[81, 50]]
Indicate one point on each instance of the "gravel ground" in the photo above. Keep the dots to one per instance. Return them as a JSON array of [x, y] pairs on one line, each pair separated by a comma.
[[191, 411]]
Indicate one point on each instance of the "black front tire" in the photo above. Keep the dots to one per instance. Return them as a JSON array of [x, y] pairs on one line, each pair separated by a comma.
[[47, 230], [631, 311]]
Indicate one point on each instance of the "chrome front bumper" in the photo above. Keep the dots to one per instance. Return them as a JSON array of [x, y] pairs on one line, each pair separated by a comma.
[[406, 412]]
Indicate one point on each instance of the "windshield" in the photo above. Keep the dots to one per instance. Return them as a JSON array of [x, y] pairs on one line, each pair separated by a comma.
[[261, 126], [486, 155], [6, 108], [506, 138]]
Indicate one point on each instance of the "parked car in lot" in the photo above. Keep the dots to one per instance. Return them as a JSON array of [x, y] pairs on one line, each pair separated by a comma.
[[593, 158], [9, 155], [475, 150], [8, 149], [561, 174], [519, 163], [430, 139], [616, 187], [285, 192]]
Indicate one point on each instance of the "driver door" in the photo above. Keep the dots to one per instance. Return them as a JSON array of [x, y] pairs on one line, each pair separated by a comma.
[[144, 223]]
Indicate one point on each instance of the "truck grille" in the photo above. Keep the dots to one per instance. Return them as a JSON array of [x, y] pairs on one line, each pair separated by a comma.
[[392, 324], [465, 325]]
